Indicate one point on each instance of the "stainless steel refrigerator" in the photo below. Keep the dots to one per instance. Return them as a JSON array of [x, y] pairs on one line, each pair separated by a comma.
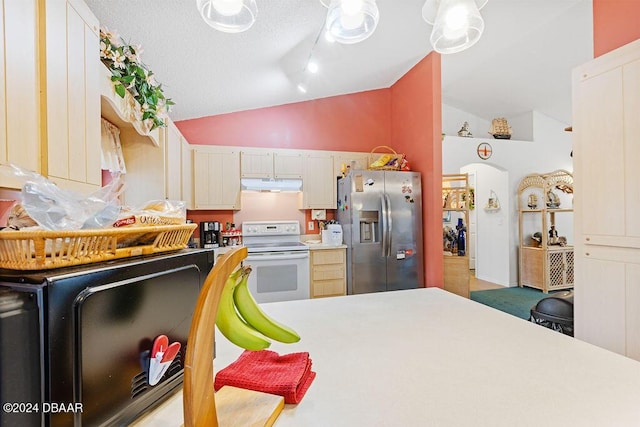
[[381, 216]]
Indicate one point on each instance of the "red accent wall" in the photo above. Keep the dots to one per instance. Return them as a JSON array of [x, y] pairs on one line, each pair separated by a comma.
[[615, 23], [406, 116], [354, 122], [416, 128]]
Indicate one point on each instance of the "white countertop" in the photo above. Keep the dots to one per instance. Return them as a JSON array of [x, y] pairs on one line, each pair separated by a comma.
[[425, 357]]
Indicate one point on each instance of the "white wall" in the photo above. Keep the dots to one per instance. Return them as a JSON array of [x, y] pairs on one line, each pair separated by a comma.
[[549, 150], [492, 227]]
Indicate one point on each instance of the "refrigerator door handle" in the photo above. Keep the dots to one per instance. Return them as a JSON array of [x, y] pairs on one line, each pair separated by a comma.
[[385, 223], [389, 223]]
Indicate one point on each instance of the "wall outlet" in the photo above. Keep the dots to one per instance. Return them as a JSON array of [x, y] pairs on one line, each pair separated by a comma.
[[311, 225]]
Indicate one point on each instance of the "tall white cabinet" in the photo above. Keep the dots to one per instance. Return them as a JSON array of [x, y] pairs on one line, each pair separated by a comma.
[[606, 150]]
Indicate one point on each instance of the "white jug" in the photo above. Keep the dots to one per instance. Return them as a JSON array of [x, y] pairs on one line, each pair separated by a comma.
[[335, 234]]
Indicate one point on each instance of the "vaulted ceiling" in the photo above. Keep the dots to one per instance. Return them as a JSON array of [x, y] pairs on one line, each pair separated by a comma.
[[522, 62]]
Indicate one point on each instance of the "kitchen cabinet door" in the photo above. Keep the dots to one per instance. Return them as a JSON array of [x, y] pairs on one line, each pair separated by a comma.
[[173, 162], [318, 182], [256, 164], [187, 173], [216, 178], [287, 164], [19, 87], [72, 95]]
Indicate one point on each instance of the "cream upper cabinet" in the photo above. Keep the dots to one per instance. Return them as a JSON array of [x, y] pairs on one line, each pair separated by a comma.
[[187, 173], [173, 162], [318, 182], [19, 87], [256, 164], [352, 160], [287, 164], [72, 95], [216, 177], [265, 163], [155, 172], [606, 149]]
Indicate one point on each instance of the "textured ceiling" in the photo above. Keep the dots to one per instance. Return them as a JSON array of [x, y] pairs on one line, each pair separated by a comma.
[[522, 62]]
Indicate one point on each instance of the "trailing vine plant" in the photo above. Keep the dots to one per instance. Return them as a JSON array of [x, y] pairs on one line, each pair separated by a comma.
[[129, 74]]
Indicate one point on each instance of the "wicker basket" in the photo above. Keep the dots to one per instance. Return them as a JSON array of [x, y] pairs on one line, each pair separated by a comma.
[[39, 250], [392, 164]]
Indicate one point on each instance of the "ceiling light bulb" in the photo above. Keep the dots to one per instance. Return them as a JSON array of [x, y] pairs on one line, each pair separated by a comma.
[[351, 21], [312, 66], [227, 7], [229, 16], [458, 25]]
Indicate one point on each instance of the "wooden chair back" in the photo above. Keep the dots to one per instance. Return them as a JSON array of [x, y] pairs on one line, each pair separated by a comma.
[[198, 394]]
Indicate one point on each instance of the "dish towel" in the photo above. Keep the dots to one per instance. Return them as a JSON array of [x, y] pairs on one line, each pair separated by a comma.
[[289, 375]]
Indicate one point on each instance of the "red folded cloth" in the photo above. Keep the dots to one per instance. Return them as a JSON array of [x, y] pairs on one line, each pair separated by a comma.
[[289, 375]]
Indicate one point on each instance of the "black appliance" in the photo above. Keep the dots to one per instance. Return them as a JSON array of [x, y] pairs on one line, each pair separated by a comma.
[[555, 312], [209, 234], [83, 335]]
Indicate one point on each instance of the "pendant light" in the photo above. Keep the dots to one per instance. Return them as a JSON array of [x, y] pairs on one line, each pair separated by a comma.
[[457, 24], [229, 16], [351, 21]]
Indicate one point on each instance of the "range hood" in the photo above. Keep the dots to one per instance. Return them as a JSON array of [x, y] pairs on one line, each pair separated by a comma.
[[272, 185]]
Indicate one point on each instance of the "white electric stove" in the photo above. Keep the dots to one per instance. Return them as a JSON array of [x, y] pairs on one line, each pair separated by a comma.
[[279, 261]]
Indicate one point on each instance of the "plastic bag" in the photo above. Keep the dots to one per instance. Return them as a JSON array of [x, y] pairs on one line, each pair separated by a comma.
[[54, 208]]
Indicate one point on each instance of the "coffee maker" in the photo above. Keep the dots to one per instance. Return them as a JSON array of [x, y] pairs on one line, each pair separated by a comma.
[[209, 234]]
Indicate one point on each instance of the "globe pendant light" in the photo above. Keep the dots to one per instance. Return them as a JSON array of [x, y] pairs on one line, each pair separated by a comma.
[[229, 16], [457, 24], [351, 21]]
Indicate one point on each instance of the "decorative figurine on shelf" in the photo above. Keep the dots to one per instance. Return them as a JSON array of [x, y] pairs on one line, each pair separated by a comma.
[[553, 201], [553, 235], [461, 241], [532, 201], [500, 129], [464, 131]]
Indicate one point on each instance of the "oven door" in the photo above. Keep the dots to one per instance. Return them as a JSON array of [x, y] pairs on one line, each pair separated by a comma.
[[279, 276]]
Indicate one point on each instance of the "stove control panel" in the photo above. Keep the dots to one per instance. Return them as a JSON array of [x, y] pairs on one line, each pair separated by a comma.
[[270, 228]]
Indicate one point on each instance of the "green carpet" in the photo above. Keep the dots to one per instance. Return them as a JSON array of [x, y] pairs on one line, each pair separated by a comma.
[[516, 301]]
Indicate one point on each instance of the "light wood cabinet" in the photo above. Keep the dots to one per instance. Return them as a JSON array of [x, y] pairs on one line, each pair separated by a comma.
[[318, 182], [328, 277], [19, 87], [49, 91], [547, 264], [263, 163], [216, 177], [287, 164], [173, 162], [154, 172], [72, 95], [455, 197], [187, 173], [606, 149]]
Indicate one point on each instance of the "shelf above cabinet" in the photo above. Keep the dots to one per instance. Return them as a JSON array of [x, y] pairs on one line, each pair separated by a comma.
[[119, 111]]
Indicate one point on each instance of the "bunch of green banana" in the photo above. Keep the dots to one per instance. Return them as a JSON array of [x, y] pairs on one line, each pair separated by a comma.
[[242, 321]]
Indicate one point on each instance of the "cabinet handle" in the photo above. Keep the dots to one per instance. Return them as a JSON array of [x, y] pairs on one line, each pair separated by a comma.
[[587, 238], [587, 253]]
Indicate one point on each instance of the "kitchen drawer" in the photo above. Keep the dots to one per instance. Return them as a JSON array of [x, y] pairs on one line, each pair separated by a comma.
[[328, 288], [328, 256], [328, 272]]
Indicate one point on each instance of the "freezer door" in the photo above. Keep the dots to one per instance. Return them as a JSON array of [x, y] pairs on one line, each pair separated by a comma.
[[367, 258], [405, 261]]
